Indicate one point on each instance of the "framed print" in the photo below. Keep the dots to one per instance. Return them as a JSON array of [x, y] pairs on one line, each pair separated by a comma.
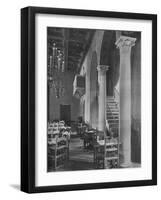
[[88, 99]]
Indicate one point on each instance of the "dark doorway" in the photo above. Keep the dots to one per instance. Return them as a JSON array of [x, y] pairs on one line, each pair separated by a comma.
[[65, 113]]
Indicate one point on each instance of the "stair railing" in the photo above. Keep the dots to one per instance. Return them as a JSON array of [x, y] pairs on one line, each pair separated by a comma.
[[118, 150], [117, 96], [117, 100], [110, 113]]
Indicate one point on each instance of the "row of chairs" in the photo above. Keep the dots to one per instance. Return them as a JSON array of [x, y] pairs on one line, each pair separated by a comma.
[[56, 125], [58, 129]]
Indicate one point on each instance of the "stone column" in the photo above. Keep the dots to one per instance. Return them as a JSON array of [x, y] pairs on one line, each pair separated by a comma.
[[102, 96], [87, 98], [125, 43]]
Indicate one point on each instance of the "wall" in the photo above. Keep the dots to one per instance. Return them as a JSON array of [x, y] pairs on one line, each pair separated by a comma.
[[67, 99], [10, 100]]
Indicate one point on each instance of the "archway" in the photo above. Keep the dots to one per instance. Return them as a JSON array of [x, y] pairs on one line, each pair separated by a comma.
[[94, 92], [110, 56]]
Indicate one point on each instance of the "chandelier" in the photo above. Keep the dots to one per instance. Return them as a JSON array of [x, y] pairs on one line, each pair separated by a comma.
[[56, 69]]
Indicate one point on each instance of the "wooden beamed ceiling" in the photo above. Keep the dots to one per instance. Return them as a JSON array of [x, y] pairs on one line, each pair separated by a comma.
[[74, 42]]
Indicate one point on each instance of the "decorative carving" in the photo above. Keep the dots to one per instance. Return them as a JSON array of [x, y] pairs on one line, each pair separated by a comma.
[[125, 41], [103, 68], [79, 92], [79, 86]]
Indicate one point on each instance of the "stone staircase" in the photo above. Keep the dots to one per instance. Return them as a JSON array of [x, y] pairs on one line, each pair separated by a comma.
[[112, 115]]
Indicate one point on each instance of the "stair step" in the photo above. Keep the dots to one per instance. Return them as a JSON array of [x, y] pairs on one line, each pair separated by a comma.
[[109, 114], [114, 126], [115, 131], [111, 149], [111, 105], [112, 158], [113, 110], [112, 113], [110, 124], [114, 117], [113, 120], [113, 123], [110, 100]]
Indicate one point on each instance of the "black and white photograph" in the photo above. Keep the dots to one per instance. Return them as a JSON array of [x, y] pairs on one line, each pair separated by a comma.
[[88, 99], [93, 99]]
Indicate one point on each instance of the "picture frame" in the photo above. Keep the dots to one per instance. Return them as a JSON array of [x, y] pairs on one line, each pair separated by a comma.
[[29, 24]]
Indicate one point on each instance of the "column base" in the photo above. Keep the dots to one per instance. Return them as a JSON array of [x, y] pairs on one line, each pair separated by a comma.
[[126, 165]]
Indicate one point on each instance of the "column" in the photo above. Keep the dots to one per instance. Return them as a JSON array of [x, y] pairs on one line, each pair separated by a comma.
[[125, 43], [102, 96], [87, 98]]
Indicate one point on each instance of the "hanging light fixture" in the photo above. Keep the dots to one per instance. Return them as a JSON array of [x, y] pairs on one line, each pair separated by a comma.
[[56, 69]]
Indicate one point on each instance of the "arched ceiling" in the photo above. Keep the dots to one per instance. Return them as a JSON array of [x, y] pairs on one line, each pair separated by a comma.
[[73, 42]]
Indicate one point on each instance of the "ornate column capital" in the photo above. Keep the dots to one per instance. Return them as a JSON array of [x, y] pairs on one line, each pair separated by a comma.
[[125, 41], [102, 68]]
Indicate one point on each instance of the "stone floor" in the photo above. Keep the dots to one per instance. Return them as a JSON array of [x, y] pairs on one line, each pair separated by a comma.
[[78, 153], [80, 158]]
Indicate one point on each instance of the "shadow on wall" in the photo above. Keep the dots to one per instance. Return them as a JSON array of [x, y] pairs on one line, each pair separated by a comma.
[[135, 140]]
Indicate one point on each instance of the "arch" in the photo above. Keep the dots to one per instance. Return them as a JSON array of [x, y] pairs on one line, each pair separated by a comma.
[[110, 56], [94, 91]]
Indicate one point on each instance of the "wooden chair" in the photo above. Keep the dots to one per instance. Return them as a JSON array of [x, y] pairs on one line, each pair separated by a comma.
[[107, 155], [90, 138], [58, 153]]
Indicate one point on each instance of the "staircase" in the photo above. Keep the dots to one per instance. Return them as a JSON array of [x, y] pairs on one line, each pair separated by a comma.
[[112, 115]]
